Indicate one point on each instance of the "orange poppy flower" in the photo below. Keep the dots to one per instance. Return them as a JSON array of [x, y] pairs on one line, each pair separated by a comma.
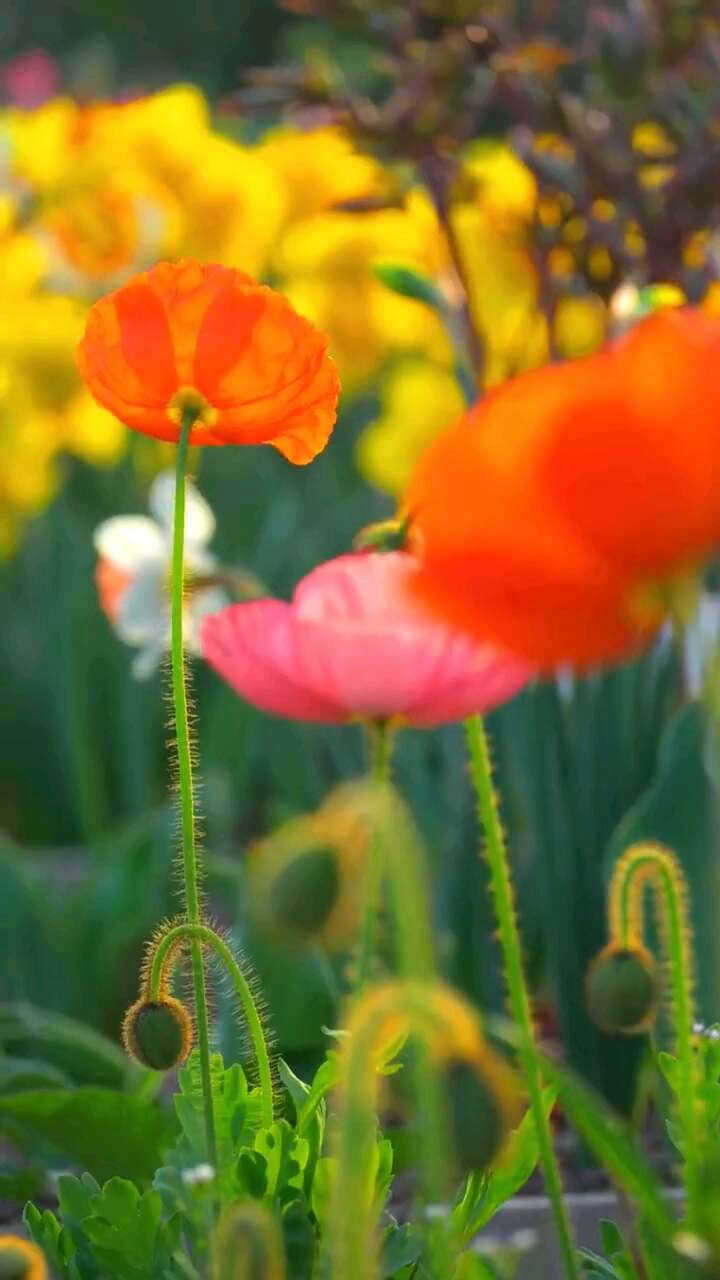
[[187, 335], [569, 512]]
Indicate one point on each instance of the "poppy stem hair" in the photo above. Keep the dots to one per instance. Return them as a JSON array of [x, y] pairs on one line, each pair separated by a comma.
[[163, 953], [191, 888], [380, 742], [519, 997], [652, 866]]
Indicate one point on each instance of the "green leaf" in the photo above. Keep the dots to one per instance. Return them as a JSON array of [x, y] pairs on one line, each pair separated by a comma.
[[124, 1229], [313, 1128], [401, 1247], [285, 1157], [408, 282], [299, 1241], [17, 1074], [236, 1110], [52, 1237], [485, 1192], [105, 1132], [72, 1048], [606, 1135]]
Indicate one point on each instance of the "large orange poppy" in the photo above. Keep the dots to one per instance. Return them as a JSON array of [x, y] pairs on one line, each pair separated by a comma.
[[192, 336], [567, 514]]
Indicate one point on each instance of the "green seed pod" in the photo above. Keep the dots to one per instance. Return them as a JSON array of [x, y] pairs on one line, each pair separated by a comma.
[[622, 989], [158, 1033], [304, 892]]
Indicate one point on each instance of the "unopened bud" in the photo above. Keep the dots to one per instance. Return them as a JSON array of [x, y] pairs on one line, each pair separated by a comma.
[[304, 892], [158, 1033], [483, 1103], [21, 1260], [622, 989]]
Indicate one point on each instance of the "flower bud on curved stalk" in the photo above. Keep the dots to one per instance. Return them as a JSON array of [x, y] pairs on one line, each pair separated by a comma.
[[651, 866], [21, 1260], [622, 989], [450, 1037], [248, 1246]]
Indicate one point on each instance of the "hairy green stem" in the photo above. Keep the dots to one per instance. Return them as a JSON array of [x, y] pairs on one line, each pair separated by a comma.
[[519, 997], [200, 935], [652, 866], [185, 782], [380, 743]]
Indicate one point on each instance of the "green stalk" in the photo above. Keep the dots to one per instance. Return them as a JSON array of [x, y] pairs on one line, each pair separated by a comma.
[[519, 997], [185, 782], [380, 744], [199, 935], [650, 865]]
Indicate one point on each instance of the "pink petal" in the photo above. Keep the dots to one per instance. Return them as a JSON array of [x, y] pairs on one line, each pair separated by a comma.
[[254, 647]]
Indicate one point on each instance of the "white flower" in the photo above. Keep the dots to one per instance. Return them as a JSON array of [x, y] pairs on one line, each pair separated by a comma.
[[133, 573]]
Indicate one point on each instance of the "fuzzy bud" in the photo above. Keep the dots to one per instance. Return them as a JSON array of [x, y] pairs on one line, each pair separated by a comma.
[[21, 1260], [477, 1104], [158, 1033], [622, 989], [304, 892]]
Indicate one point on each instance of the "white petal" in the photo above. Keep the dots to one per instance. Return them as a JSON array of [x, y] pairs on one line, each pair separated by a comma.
[[129, 542], [201, 603], [144, 613], [199, 519], [147, 661]]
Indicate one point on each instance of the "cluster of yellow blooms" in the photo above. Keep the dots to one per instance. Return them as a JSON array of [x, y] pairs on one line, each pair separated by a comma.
[[92, 193]]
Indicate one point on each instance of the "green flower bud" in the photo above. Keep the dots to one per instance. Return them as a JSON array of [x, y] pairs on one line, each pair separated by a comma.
[[622, 989], [21, 1260], [483, 1104], [304, 892], [158, 1033]]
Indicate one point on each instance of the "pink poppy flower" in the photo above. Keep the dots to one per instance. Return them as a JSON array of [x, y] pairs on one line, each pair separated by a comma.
[[353, 642]]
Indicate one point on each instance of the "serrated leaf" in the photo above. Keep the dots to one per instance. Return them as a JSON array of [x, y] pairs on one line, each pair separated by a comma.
[[236, 1111], [51, 1236], [285, 1157], [124, 1230], [314, 1125]]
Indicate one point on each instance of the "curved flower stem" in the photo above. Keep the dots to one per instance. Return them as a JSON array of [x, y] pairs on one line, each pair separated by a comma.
[[649, 865], [200, 935], [185, 782], [380, 742], [519, 997]]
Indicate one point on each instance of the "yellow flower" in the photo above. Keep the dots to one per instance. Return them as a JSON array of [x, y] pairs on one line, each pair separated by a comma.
[[328, 266], [28, 473], [319, 168], [119, 185], [90, 432], [419, 400]]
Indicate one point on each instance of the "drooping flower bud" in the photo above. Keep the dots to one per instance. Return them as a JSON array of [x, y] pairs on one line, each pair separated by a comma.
[[305, 891], [622, 989], [482, 1109], [21, 1260], [158, 1033]]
